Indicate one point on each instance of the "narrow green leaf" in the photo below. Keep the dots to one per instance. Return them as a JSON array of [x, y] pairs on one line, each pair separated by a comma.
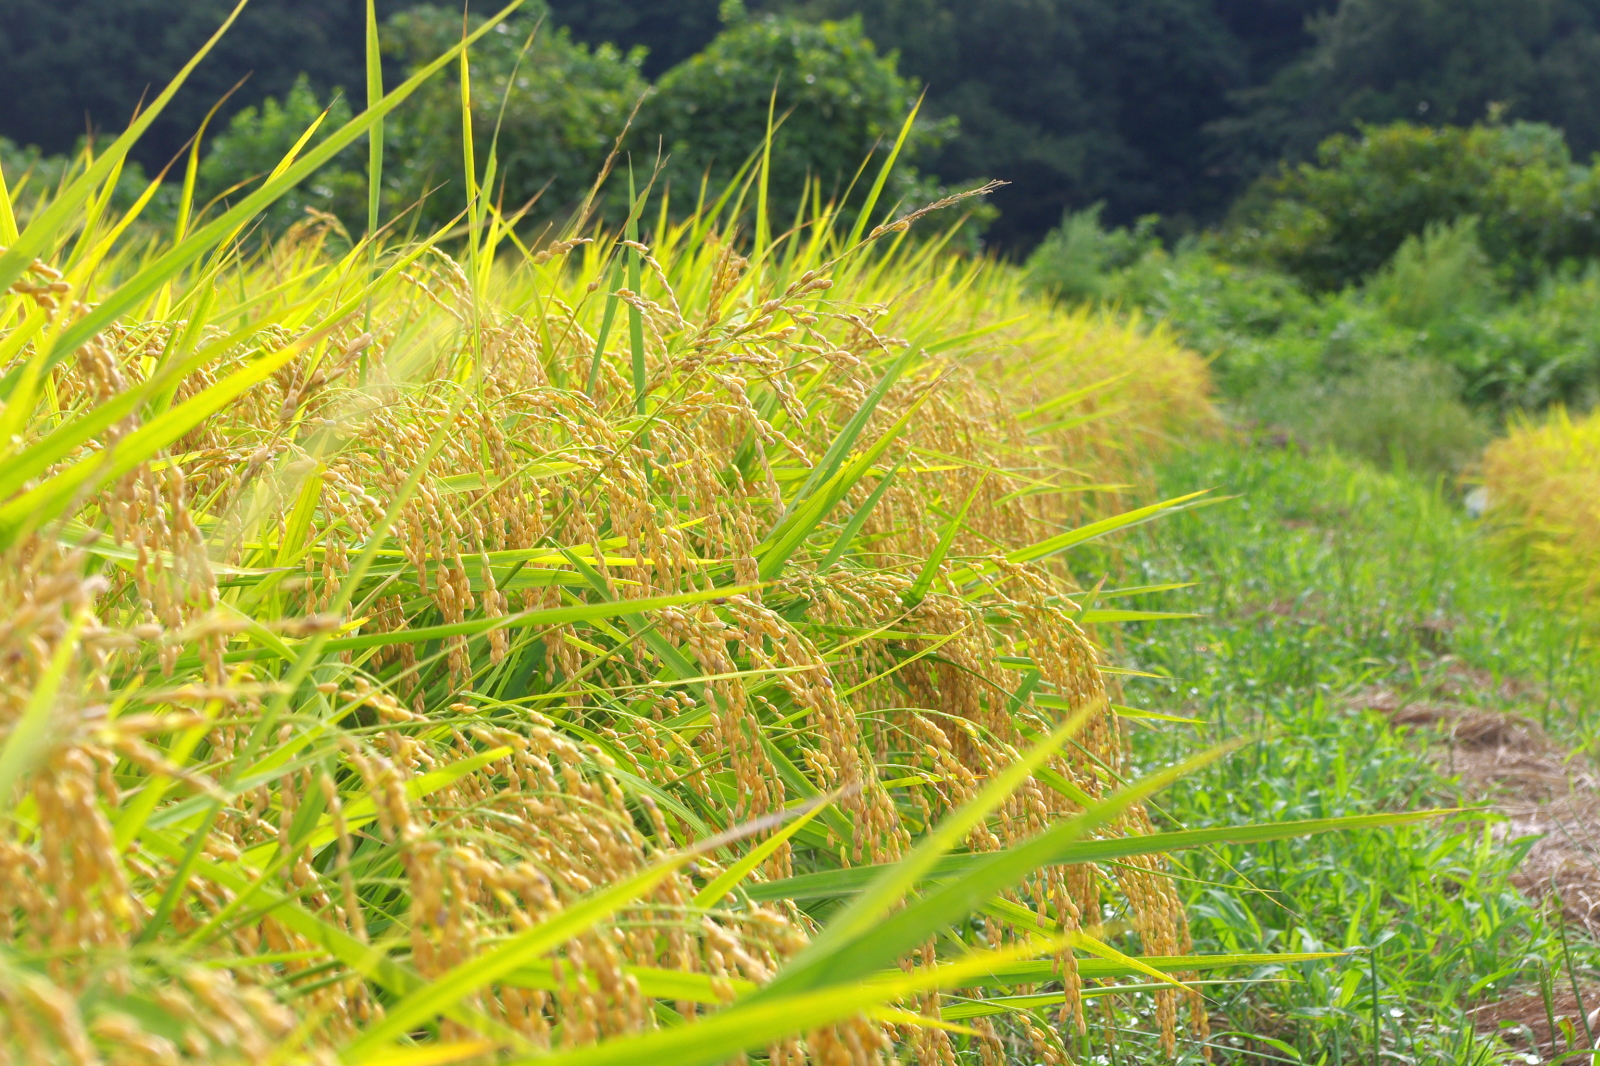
[[930, 567], [30, 734], [793, 532], [846, 440], [1070, 398], [884, 171], [635, 319], [894, 935], [752, 1024], [1092, 531], [886, 891], [374, 58], [733, 875], [848, 535], [1102, 616], [835, 883]]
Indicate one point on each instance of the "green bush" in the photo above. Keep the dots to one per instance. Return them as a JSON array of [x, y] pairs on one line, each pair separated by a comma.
[[1541, 350], [839, 102], [256, 140], [1274, 344], [32, 176], [1334, 221], [1434, 277], [1078, 260], [553, 109], [1402, 413]]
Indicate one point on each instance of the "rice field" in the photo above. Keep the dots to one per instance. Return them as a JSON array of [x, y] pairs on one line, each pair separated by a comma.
[[650, 641], [1542, 491]]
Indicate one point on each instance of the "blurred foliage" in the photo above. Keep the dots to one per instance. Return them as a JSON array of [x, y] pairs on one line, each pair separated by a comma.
[[1382, 61], [552, 108], [71, 63], [1335, 220], [1169, 106], [1072, 101], [669, 31], [31, 175], [836, 102], [1076, 261], [256, 139], [1509, 351], [1396, 414], [1467, 292]]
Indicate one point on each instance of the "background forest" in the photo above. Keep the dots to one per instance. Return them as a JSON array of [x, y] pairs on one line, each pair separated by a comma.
[[1152, 106]]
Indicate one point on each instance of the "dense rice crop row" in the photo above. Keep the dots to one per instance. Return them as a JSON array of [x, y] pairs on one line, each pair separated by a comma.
[[1543, 487], [574, 653]]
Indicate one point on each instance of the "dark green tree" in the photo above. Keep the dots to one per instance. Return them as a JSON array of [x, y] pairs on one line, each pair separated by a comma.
[[551, 106], [1428, 61], [839, 101], [70, 66], [1338, 219], [1072, 101], [669, 30]]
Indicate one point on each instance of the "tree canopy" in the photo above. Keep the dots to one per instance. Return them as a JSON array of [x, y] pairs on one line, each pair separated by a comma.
[[1147, 106]]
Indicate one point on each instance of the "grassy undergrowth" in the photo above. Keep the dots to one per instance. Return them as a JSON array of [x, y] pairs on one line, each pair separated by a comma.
[[1323, 582]]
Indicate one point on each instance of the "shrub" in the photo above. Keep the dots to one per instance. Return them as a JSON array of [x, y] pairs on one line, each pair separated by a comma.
[[1078, 259], [1334, 221], [840, 103], [553, 110], [257, 139], [1436, 300], [1434, 278], [1402, 414], [1540, 350], [33, 178]]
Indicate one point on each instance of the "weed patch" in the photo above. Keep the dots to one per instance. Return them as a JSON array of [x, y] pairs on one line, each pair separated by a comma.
[[1359, 627]]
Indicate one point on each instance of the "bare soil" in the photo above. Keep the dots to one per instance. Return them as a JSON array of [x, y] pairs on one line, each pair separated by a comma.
[[1504, 760]]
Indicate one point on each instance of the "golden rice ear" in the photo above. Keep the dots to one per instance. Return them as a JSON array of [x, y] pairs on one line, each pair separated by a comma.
[[1538, 487]]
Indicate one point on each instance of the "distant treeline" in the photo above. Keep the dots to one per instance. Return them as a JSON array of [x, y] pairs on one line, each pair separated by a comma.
[[1149, 106]]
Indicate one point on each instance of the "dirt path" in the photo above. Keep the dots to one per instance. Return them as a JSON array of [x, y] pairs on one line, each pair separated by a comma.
[[1504, 760]]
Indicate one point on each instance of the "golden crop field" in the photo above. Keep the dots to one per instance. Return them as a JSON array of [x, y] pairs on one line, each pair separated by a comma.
[[649, 644], [1543, 486]]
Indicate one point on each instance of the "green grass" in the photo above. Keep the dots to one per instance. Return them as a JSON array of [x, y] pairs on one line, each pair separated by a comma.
[[1324, 577]]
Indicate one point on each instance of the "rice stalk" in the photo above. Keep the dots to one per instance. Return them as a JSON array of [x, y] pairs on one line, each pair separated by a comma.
[[1542, 483]]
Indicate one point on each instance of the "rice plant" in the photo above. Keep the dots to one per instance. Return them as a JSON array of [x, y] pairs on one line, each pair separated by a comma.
[[639, 644], [1541, 490]]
